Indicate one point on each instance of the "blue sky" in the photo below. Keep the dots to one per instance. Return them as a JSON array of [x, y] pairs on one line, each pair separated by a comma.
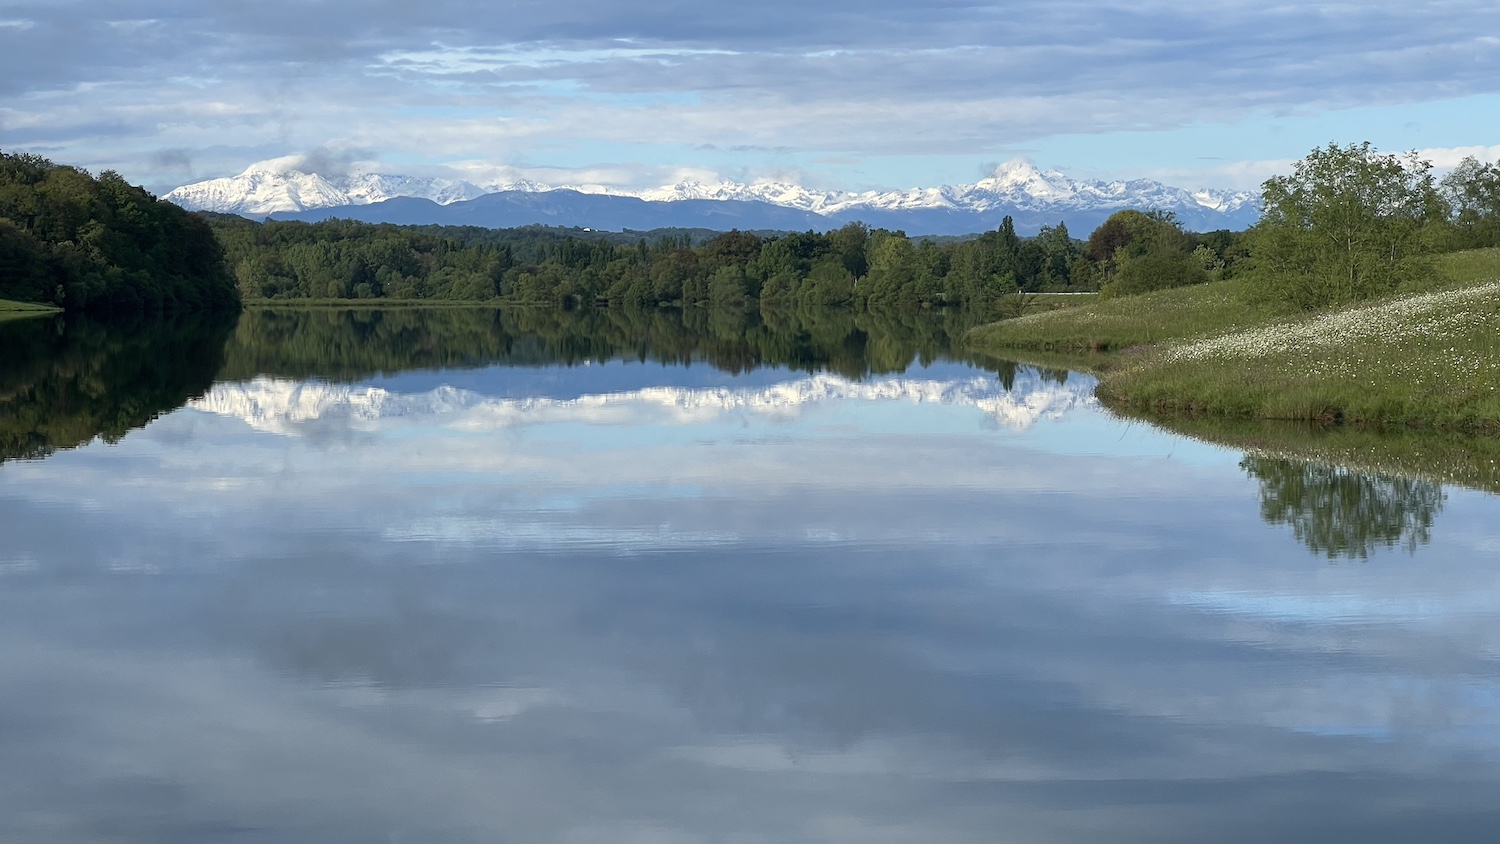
[[837, 94]]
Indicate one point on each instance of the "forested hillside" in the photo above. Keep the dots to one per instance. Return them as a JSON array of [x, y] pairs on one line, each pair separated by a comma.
[[102, 244]]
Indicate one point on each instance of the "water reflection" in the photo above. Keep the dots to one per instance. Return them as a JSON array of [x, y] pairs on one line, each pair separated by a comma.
[[665, 602], [346, 344], [64, 382], [1340, 512]]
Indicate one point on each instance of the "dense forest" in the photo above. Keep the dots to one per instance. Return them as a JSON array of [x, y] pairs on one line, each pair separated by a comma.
[[851, 265], [102, 244]]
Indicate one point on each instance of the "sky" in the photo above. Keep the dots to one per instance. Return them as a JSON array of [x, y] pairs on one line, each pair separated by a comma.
[[833, 94]]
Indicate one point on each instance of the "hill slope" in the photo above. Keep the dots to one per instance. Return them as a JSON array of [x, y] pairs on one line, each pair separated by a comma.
[[70, 239]]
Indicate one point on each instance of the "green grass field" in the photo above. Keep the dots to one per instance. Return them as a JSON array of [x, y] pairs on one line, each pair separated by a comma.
[[1425, 358], [8, 306]]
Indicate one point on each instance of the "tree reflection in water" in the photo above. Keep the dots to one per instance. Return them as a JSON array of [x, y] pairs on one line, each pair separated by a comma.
[[1340, 512], [66, 380]]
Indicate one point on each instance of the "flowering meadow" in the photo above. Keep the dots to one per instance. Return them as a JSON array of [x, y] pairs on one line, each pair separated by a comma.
[[1417, 359]]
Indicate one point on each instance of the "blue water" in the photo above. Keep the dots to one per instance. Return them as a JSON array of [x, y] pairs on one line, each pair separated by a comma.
[[645, 603]]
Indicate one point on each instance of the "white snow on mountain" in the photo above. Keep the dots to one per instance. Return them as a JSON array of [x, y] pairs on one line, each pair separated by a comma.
[[776, 193], [256, 192], [276, 186], [294, 407], [1019, 184], [269, 187]]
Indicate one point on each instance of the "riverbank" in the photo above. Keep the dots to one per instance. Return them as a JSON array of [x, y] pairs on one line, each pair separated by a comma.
[[21, 310], [1426, 358]]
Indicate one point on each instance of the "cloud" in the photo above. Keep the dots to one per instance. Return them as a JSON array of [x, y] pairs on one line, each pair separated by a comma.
[[1250, 175], [533, 80], [1444, 158], [321, 160]]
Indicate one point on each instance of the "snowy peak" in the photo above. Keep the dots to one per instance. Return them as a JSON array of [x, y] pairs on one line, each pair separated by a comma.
[[259, 191], [784, 194], [366, 188], [269, 187], [1016, 187], [1022, 176]]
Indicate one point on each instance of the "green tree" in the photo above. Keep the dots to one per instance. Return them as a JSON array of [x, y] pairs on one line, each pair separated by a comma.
[[1472, 191], [1150, 252], [102, 243], [1348, 223]]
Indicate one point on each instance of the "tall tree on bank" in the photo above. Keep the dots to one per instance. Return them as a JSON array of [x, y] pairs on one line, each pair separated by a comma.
[[1348, 223]]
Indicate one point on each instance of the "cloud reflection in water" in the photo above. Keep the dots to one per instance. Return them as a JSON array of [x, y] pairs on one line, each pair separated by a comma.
[[872, 615]]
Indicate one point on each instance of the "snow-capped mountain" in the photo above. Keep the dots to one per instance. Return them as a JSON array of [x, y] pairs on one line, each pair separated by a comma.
[[1017, 188], [262, 190], [785, 194], [1020, 186]]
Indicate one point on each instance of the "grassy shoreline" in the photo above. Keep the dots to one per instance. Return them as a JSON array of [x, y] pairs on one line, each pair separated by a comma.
[[22, 310], [1426, 358]]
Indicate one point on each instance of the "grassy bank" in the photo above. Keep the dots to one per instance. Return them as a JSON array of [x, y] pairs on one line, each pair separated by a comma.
[[21, 310], [7, 306], [1418, 359], [1109, 325]]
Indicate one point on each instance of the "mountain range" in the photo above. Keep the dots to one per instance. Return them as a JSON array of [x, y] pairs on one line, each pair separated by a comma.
[[1017, 189]]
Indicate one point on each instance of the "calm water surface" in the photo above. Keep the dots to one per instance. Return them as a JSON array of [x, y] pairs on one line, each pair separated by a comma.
[[463, 578]]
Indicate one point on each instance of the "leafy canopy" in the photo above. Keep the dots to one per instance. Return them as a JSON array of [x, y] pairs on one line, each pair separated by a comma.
[[1348, 223]]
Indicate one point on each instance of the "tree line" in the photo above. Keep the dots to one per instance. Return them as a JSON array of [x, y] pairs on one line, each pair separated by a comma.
[[101, 244], [1348, 222], [350, 260]]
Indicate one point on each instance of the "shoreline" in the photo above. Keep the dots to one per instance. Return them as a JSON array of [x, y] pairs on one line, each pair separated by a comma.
[[1423, 359], [10, 310]]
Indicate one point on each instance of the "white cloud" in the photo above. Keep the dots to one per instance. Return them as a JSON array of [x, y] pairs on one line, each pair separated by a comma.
[[1447, 157], [535, 85]]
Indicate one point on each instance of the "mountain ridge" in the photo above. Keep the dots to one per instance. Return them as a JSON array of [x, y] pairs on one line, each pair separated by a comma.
[[1032, 197]]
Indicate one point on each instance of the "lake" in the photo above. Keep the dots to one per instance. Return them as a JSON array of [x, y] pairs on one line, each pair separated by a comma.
[[476, 576]]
